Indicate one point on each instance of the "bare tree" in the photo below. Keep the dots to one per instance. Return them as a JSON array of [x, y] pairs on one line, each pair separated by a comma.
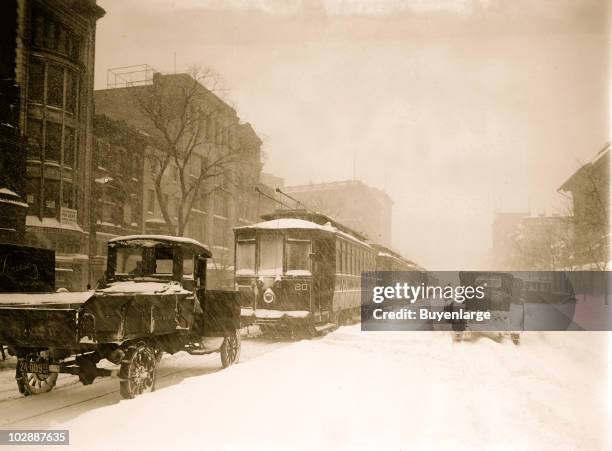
[[195, 135], [578, 237]]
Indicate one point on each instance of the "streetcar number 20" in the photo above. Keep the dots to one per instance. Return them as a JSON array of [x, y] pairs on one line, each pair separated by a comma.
[[301, 287]]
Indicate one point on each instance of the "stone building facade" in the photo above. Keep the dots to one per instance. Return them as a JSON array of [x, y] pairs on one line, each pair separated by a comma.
[[49, 67]]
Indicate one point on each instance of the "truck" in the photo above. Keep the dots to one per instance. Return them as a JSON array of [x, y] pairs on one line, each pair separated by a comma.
[[151, 300]]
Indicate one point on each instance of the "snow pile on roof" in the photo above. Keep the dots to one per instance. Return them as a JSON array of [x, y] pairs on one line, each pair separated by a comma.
[[292, 223], [288, 223], [10, 197], [154, 240], [147, 287], [371, 391], [34, 221], [8, 192], [176, 239], [45, 298]]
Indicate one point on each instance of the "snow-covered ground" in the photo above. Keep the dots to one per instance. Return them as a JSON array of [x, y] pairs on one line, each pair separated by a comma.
[[362, 390]]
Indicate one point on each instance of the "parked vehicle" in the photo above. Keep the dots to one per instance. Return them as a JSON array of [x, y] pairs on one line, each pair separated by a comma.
[[153, 299]]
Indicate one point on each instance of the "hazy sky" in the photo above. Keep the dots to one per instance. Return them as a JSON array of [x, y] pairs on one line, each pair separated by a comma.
[[456, 108]]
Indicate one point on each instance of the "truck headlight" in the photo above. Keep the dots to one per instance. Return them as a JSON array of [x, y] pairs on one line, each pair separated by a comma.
[[269, 297]]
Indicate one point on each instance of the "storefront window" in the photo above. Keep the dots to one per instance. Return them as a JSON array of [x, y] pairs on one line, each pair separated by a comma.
[[67, 195], [51, 198], [35, 134], [33, 196]]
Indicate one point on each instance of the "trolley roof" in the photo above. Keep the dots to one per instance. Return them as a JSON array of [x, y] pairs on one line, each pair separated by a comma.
[[317, 218], [301, 224]]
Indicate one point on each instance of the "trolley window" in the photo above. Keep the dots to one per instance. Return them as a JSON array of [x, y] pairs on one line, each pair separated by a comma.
[[270, 254], [298, 257], [245, 257]]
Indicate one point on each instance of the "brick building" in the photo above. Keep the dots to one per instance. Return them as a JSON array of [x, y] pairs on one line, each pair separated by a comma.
[[47, 73], [117, 186], [224, 201], [352, 203]]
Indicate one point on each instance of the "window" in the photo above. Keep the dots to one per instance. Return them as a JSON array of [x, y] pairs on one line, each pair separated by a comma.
[[35, 134], [151, 201], [188, 266], [163, 261], [55, 86], [129, 261], [195, 166], [51, 198], [338, 257], [270, 254], [69, 147], [298, 257], [245, 257], [36, 82], [33, 196], [54, 142], [50, 41], [136, 170], [220, 205], [67, 195], [177, 205], [51, 35], [71, 91], [165, 201], [220, 228]]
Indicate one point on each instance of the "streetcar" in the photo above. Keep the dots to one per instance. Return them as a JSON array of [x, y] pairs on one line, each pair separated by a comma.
[[391, 265], [299, 272], [302, 273]]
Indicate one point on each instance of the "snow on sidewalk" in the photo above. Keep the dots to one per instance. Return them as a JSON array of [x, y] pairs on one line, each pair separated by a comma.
[[369, 390]]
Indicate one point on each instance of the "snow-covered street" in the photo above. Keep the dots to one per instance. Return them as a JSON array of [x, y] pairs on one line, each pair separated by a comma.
[[350, 390]]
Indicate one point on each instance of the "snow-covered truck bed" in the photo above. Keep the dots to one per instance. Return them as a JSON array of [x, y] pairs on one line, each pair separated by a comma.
[[153, 300]]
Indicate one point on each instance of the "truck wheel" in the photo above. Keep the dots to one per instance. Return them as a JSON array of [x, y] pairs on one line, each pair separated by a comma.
[[30, 383], [230, 349], [138, 371]]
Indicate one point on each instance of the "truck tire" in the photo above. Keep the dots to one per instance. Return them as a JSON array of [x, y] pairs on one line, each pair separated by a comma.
[[138, 371], [30, 383], [230, 349]]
